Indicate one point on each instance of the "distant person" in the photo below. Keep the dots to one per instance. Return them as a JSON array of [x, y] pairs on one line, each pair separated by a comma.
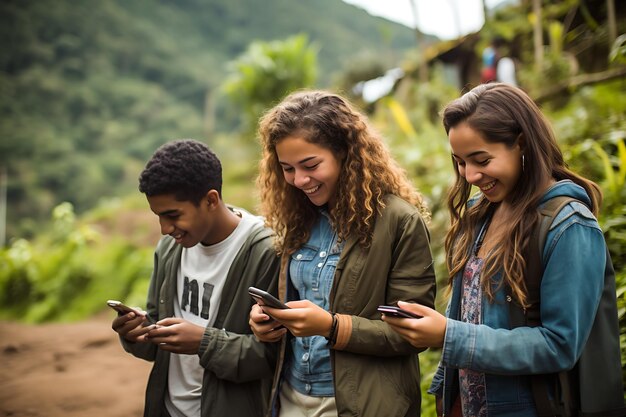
[[522, 312], [352, 233], [497, 65], [206, 361], [488, 72]]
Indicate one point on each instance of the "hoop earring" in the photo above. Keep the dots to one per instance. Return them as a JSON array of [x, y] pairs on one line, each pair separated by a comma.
[[523, 163]]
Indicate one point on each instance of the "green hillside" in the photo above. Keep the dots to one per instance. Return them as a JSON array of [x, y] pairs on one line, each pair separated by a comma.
[[89, 89]]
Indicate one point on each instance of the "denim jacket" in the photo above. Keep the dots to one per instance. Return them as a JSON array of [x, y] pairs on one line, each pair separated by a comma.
[[574, 260], [311, 271]]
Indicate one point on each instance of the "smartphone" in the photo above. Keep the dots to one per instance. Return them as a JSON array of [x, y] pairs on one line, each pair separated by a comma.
[[266, 299], [398, 312], [122, 308]]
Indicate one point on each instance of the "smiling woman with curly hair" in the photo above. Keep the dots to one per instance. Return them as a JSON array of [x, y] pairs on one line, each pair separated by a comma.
[[368, 172], [351, 229]]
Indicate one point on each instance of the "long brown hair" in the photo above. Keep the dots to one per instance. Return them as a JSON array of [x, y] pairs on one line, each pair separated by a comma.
[[501, 113], [368, 172]]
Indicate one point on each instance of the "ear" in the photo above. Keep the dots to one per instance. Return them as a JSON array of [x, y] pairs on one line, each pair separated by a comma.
[[521, 142], [211, 200]]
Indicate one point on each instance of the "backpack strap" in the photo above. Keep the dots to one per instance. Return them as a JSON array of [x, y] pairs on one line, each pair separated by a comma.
[[533, 273], [531, 316]]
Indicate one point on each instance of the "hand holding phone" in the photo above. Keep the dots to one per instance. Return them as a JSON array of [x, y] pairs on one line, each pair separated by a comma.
[[122, 308], [264, 298], [394, 311]]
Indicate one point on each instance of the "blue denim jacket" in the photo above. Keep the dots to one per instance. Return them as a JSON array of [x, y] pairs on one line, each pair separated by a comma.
[[311, 271], [574, 261]]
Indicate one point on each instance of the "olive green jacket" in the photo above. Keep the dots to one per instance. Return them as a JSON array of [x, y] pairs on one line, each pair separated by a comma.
[[238, 368], [376, 372]]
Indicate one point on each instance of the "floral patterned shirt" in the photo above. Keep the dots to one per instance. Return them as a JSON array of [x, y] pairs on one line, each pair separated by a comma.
[[472, 383]]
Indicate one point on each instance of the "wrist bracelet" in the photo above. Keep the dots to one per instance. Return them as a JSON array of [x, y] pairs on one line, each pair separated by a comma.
[[332, 335], [333, 338]]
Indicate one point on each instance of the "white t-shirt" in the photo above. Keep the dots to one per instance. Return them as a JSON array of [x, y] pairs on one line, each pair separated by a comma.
[[201, 277]]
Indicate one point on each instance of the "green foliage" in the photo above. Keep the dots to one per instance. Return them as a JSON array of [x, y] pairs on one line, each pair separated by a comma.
[[429, 360], [507, 22], [89, 90], [69, 274], [555, 29], [557, 64], [268, 71], [618, 50]]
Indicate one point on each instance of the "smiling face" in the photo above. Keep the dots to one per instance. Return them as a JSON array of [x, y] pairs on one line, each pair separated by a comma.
[[311, 168], [184, 221], [495, 168]]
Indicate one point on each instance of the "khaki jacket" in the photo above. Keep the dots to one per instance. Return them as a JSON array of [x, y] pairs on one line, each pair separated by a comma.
[[238, 368], [376, 372]]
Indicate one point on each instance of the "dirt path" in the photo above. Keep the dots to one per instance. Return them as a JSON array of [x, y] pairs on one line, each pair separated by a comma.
[[68, 370]]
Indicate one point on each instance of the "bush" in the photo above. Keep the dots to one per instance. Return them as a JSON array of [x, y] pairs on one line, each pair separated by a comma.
[[69, 273]]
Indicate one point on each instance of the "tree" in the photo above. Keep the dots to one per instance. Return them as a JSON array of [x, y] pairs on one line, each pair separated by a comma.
[[267, 71], [538, 35], [610, 10], [485, 11]]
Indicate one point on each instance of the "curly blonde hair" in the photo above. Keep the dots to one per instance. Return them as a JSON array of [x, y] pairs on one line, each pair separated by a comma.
[[368, 172], [501, 113]]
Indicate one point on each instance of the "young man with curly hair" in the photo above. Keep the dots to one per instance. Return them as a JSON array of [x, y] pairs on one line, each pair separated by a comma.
[[206, 361]]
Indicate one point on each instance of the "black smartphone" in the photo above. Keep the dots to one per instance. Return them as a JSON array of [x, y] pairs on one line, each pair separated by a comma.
[[266, 299], [122, 308], [397, 312]]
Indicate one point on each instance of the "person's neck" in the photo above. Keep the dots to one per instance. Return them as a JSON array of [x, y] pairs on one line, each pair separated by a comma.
[[226, 222], [500, 213]]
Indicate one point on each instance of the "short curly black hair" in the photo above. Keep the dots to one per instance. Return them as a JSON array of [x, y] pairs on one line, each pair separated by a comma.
[[186, 168]]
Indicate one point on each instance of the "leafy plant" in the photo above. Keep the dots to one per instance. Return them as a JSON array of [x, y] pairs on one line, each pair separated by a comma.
[[267, 71], [618, 50], [69, 273]]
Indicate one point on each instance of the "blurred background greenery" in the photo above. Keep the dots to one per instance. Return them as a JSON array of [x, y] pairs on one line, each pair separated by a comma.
[[88, 90]]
